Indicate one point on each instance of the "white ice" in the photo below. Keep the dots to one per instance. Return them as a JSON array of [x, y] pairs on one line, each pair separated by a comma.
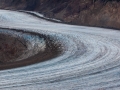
[[91, 58]]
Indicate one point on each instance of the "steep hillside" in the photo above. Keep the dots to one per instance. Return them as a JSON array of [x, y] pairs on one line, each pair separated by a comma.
[[103, 13]]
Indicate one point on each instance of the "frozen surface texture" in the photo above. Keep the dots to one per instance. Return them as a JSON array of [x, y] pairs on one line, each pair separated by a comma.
[[90, 58]]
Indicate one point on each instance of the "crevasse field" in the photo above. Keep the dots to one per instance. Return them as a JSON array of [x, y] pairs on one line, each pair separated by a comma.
[[90, 57]]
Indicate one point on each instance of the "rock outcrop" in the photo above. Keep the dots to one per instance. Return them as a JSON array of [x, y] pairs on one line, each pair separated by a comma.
[[81, 12]]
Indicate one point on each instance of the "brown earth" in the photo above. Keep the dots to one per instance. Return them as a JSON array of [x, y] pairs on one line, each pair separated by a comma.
[[81, 12], [10, 48]]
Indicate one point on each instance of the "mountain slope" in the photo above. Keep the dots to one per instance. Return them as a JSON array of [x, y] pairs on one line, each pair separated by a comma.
[[103, 13]]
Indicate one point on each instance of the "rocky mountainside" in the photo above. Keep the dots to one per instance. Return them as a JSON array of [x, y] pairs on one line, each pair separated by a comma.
[[103, 13]]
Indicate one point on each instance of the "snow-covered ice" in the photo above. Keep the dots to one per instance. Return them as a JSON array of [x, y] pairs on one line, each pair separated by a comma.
[[90, 59]]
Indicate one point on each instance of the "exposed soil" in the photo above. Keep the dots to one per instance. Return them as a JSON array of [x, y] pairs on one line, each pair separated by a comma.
[[10, 48]]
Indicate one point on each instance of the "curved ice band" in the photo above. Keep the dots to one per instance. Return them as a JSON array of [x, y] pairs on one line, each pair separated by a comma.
[[90, 60]]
